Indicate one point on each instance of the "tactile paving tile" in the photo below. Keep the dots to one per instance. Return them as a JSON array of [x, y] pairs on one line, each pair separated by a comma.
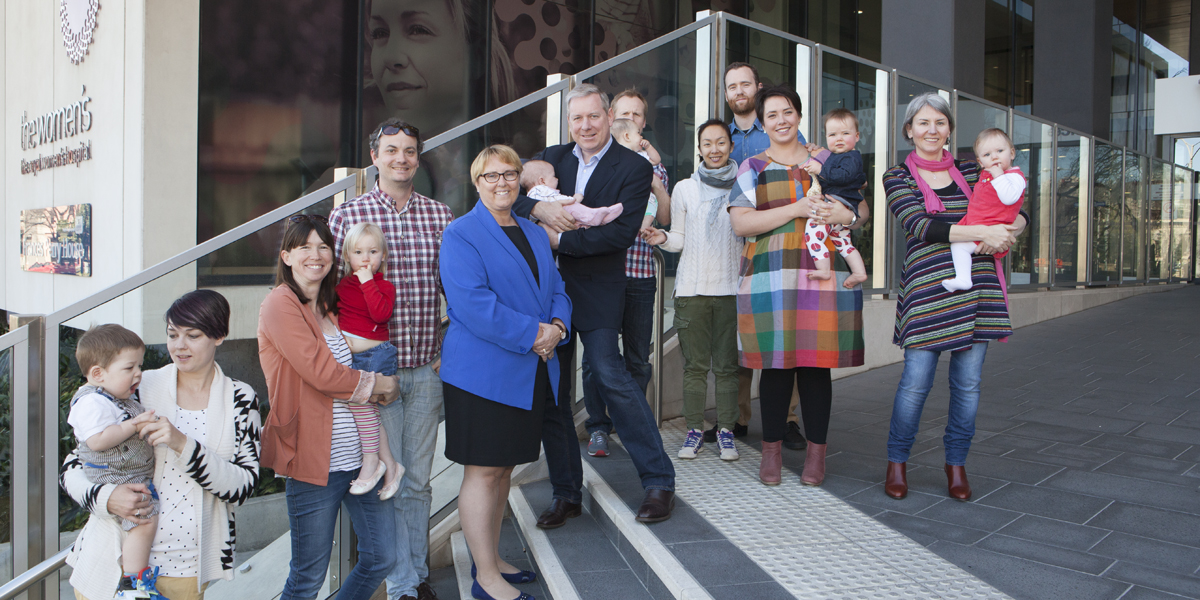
[[806, 569], [966, 589], [914, 560], [810, 541]]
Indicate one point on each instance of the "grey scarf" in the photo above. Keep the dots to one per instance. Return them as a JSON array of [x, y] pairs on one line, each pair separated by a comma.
[[721, 178]]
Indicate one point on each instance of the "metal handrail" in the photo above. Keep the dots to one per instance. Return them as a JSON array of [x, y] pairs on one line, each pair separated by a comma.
[[660, 266], [29, 578]]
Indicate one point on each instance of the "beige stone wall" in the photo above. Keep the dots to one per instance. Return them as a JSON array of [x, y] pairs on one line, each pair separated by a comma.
[[141, 75]]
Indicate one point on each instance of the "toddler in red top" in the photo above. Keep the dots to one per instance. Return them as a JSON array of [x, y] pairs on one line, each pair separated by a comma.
[[996, 200], [365, 304]]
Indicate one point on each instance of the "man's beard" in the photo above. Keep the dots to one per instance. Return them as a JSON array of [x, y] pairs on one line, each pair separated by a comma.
[[750, 108]]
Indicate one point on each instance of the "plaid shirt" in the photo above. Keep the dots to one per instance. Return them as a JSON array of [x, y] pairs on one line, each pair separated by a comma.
[[414, 238], [639, 259]]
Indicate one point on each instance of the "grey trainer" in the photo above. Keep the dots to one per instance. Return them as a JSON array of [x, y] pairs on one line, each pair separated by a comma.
[[598, 444]]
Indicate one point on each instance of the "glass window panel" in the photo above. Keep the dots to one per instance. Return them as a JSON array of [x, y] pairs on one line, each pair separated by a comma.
[[1124, 81], [997, 52], [1030, 256], [972, 117], [774, 57], [1133, 222], [1182, 203], [855, 86], [1159, 221], [276, 112], [1071, 208], [1107, 195], [1022, 91]]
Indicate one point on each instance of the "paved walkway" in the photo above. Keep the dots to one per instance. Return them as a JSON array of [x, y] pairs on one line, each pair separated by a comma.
[[1084, 465]]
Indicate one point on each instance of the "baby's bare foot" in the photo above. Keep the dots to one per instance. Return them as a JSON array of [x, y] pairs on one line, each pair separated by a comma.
[[854, 280], [822, 275]]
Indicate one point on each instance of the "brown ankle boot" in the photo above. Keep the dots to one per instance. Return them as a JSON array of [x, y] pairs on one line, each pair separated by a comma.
[[814, 464], [896, 483], [772, 463], [956, 477]]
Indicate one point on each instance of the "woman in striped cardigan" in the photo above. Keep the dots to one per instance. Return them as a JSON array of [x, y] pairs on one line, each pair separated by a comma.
[[929, 193], [206, 463]]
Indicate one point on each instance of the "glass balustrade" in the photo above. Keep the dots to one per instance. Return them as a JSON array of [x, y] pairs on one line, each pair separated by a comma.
[[1158, 221], [1183, 201], [1133, 220], [1107, 193], [1031, 255], [972, 116], [6, 464], [1073, 188]]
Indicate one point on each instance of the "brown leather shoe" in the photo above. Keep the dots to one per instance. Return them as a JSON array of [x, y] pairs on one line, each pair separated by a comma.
[[772, 463], [656, 507], [896, 483], [814, 464], [556, 516], [956, 477]]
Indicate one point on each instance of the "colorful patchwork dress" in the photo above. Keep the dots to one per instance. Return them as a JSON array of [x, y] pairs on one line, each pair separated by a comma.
[[786, 320]]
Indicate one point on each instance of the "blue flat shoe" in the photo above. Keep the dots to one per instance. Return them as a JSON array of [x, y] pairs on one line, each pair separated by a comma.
[[513, 578], [478, 593]]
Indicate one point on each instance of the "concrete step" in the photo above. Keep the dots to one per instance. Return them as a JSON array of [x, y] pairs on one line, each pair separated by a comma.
[[514, 549]]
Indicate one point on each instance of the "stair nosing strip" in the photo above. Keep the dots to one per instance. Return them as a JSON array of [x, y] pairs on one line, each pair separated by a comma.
[[558, 583], [673, 575]]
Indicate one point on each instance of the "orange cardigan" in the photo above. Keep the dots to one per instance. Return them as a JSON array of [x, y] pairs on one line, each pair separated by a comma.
[[303, 378]]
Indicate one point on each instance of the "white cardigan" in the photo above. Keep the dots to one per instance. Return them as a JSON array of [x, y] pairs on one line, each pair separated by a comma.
[[224, 473], [711, 256]]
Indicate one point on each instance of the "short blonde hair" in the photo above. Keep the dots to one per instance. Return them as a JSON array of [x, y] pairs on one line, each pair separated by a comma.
[[504, 153], [356, 234], [100, 345]]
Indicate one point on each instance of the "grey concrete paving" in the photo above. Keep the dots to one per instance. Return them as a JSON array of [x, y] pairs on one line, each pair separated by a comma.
[[1084, 466]]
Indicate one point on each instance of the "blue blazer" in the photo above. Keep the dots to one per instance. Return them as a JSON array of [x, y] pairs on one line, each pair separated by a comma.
[[495, 306]]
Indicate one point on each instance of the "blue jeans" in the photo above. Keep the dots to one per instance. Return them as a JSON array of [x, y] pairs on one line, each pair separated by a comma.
[[563, 460], [381, 359], [312, 514], [920, 366], [411, 423], [626, 403], [637, 329]]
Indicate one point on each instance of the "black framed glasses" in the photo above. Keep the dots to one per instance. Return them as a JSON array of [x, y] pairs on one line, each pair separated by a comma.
[[494, 177]]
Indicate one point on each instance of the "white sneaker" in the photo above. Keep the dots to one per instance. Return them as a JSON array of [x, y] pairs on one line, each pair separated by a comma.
[[693, 444], [725, 443]]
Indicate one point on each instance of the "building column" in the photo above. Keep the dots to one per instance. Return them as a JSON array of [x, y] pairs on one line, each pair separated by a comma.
[[1072, 63]]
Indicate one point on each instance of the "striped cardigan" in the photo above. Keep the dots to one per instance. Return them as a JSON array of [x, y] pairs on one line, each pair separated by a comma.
[[225, 472], [927, 316]]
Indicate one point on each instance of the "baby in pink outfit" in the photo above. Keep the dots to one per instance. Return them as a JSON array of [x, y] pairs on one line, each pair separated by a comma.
[[537, 177]]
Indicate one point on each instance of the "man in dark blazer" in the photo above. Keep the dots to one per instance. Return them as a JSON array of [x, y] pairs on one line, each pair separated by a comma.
[[592, 264]]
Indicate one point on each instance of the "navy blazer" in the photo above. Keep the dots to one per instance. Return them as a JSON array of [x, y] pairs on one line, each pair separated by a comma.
[[592, 261], [495, 306]]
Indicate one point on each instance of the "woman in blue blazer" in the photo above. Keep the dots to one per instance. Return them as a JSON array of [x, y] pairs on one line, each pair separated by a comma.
[[508, 312]]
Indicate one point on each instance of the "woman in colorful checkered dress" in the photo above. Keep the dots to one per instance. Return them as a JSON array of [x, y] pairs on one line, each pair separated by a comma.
[[793, 328], [929, 193]]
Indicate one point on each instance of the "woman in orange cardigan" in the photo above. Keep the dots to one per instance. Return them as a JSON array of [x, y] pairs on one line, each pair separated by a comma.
[[310, 436]]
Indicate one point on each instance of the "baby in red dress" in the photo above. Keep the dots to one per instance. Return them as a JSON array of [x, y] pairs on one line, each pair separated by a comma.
[[996, 200]]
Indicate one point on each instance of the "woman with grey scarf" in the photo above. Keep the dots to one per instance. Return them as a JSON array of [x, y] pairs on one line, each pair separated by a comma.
[[706, 287]]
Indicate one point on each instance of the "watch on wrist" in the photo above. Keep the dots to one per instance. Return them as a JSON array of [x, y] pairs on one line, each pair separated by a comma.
[[562, 331]]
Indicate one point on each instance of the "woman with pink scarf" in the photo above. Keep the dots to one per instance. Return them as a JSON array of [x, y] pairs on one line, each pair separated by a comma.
[[929, 193]]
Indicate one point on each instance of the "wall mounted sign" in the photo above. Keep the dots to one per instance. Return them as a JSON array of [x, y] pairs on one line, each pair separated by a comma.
[[59, 124], [78, 21], [57, 240]]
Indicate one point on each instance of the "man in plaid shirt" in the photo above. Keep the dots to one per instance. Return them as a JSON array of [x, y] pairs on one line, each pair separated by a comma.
[[413, 226]]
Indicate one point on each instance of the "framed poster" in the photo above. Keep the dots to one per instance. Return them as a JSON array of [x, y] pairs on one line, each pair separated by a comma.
[[57, 240]]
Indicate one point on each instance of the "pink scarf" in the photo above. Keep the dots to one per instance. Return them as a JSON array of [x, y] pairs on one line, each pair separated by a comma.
[[933, 204]]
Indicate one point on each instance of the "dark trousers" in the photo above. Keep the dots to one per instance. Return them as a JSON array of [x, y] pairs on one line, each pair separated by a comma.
[[637, 325], [558, 433], [816, 397]]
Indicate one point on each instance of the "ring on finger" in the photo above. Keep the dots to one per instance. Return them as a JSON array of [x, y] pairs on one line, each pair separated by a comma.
[[137, 513]]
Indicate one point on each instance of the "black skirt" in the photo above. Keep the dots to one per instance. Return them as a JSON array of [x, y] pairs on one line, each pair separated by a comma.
[[484, 433]]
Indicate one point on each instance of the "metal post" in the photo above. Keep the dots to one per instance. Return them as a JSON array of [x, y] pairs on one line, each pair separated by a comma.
[[32, 486], [660, 265]]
